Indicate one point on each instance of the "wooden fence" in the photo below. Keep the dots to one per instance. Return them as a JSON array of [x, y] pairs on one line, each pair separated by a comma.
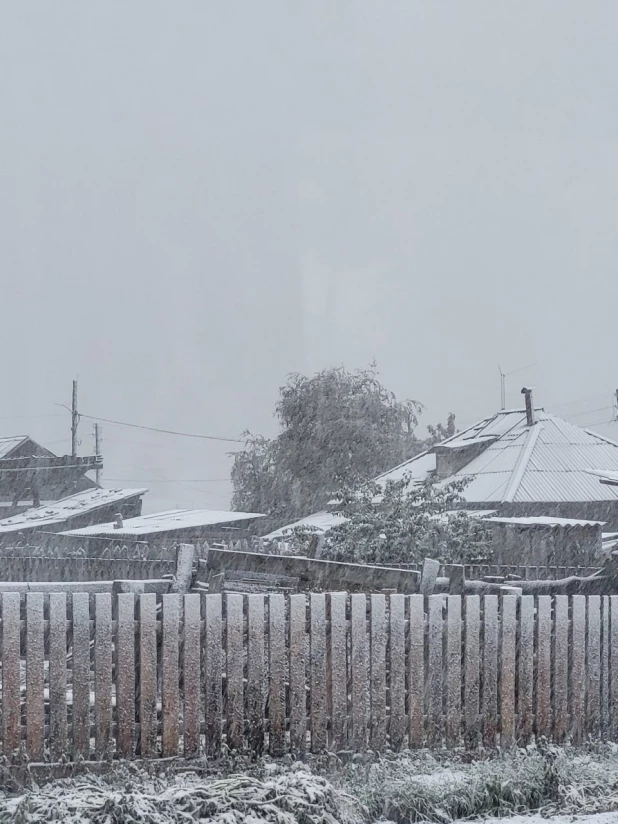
[[526, 573], [91, 677]]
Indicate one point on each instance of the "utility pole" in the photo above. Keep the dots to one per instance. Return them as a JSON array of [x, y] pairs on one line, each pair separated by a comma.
[[74, 421], [97, 450], [502, 389]]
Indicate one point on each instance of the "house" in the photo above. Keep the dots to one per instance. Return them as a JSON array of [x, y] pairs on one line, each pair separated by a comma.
[[522, 463], [31, 475], [92, 506], [165, 528]]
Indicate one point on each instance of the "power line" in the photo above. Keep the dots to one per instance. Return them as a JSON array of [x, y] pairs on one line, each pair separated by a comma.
[[172, 480], [589, 412], [161, 431]]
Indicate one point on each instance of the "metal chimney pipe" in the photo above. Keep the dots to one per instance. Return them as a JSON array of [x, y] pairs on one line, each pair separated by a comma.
[[529, 406]]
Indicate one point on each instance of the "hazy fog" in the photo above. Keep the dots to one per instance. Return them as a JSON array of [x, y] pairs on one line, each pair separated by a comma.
[[197, 198]]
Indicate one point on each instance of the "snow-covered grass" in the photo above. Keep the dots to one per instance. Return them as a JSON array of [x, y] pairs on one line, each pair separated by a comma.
[[284, 797], [407, 788], [422, 788]]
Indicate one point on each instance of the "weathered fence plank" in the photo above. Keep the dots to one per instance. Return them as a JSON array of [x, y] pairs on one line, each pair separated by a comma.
[[436, 711], [613, 664], [255, 672], [58, 674], [526, 670], [338, 676], [543, 667], [103, 675], [234, 704], [125, 676], [35, 678], [317, 666], [604, 717], [191, 676], [397, 668], [593, 666], [298, 673], [472, 674], [148, 675], [578, 668], [213, 669], [561, 667], [490, 670], [11, 657], [359, 670], [170, 700], [416, 673], [377, 679], [81, 675], [276, 668], [507, 673], [453, 671]]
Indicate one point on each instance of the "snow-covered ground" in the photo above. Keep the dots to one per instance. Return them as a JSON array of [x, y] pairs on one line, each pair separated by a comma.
[[597, 818]]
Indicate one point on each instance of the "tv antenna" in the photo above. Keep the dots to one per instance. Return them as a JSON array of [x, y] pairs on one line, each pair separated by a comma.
[[505, 375]]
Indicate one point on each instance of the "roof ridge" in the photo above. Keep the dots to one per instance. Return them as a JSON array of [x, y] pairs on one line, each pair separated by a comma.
[[522, 462]]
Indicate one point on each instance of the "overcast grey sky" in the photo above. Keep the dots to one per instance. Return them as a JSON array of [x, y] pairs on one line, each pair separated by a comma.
[[197, 198]]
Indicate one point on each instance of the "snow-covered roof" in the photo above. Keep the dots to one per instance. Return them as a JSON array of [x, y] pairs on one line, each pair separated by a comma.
[[8, 444], [549, 461], [67, 508], [544, 520], [170, 521], [606, 476], [320, 522]]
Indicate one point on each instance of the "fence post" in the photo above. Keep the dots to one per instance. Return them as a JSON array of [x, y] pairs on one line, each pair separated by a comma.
[[397, 684]]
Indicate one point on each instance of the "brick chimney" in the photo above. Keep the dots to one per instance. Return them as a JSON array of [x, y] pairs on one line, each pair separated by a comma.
[[529, 406]]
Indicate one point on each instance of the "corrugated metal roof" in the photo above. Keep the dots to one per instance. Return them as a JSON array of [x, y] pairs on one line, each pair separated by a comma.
[[606, 476], [8, 444], [170, 521], [67, 508], [544, 520], [552, 467]]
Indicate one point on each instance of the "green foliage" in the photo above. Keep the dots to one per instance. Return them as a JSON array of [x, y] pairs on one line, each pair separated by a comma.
[[338, 429], [405, 522]]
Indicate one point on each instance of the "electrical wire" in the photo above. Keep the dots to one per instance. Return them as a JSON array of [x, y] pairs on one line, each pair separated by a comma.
[[161, 431]]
